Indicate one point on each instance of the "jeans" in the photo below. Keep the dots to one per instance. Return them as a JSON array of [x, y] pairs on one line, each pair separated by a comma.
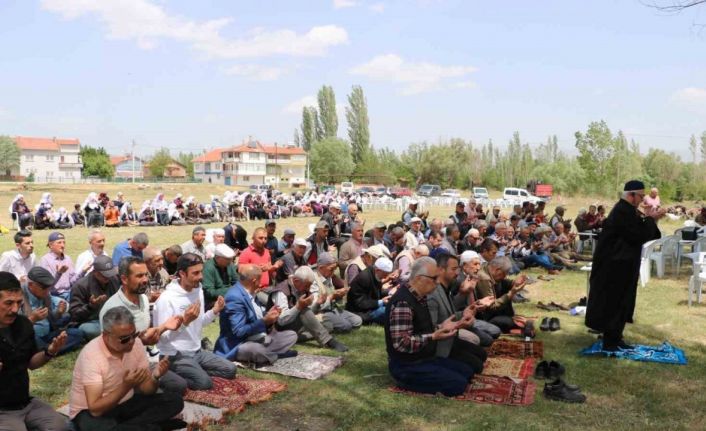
[[74, 340], [91, 329], [139, 413], [196, 368], [542, 260], [374, 316]]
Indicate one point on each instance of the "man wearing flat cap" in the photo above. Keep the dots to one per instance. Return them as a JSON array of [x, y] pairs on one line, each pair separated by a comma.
[[219, 274], [616, 266]]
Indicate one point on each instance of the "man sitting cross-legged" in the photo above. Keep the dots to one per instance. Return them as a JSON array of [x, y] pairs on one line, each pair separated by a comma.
[[248, 335], [112, 386], [367, 295], [495, 292], [299, 307], [184, 297], [411, 338], [90, 293], [335, 317]]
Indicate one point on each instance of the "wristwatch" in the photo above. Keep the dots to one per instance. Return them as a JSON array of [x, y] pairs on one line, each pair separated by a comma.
[[49, 355]]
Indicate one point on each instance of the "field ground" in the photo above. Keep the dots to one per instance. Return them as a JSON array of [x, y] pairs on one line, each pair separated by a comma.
[[622, 395]]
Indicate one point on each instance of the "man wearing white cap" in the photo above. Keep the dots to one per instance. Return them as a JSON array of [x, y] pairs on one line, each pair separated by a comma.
[[367, 297], [318, 242], [470, 262], [332, 219], [335, 318], [285, 244], [292, 260], [219, 237], [219, 274], [410, 212], [414, 236], [360, 263]]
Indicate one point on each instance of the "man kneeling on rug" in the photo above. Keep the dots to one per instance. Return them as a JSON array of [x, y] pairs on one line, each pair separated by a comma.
[[113, 387], [411, 338], [244, 328]]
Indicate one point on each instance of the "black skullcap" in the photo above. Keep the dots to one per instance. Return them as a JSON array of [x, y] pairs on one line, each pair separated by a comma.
[[633, 185], [8, 281]]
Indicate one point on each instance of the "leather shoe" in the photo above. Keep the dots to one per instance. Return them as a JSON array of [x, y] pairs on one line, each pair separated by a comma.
[[555, 370], [560, 391], [544, 326], [542, 370], [336, 345], [528, 330], [625, 346], [554, 324]]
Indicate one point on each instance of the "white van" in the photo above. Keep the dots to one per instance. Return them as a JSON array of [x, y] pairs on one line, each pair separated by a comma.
[[519, 195], [347, 187], [480, 193]]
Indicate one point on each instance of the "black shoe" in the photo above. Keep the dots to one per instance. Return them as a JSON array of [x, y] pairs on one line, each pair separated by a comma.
[[544, 326], [555, 370], [554, 324], [582, 301], [206, 344], [336, 345], [559, 391], [625, 346], [287, 354], [172, 424], [542, 370]]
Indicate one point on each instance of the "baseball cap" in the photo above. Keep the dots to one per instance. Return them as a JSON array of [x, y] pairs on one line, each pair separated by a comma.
[[289, 231], [384, 264], [104, 265], [270, 221], [415, 219], [55, 236], [380, 225], [222, 250], [325, 259], [41, 276], [300, 242], [413, 202], [334, 205]]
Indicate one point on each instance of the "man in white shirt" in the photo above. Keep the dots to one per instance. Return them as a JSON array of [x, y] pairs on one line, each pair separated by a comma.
[[184, 297], [96, 242], [20, 260]]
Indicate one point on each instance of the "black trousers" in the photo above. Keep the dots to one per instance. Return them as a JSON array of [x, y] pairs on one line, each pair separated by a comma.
[[139, 413], [613, 333], [469, 354]]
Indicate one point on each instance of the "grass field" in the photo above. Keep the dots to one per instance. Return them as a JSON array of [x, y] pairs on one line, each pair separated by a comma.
[[622, 395]]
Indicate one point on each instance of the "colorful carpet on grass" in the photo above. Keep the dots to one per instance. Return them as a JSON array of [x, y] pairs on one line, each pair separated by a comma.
[[490, 390], [664, 354], [302, 366], [509, 367], [517, 349], [233, 395]]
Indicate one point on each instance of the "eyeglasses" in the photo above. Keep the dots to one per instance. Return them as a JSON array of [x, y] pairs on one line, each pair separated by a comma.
[[126, 338]]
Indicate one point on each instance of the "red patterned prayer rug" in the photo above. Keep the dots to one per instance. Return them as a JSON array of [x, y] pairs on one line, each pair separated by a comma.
[[490, 390], [233, 395], [509, 367], [517, 349]]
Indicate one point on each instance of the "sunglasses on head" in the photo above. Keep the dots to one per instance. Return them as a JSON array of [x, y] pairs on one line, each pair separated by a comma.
[[127, 338]]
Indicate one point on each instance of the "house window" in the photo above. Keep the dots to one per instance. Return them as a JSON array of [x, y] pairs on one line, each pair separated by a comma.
[[50, 158], [246, 178], [29, 157], [62, 159], [67, 174], [50, 174]]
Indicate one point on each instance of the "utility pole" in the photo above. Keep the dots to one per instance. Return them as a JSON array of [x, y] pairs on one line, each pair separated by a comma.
[[132, 155], [276, 168]]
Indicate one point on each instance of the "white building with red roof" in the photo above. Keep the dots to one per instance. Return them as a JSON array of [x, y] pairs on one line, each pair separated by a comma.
[[51, 160]]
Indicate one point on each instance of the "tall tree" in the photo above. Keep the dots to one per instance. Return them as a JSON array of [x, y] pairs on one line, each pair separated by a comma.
[[595, 153], [96, 162], [159, 162], [297, 138], [327, 112], [186, 160], [703, 147], [309, 124], [358, 124], [9, 156], [331, 160]]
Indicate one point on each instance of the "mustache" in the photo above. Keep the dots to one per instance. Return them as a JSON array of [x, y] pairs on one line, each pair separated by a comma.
[[142, 288]]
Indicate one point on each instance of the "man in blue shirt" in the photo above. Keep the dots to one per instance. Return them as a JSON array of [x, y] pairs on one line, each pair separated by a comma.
[[130, 247], [47, 313]]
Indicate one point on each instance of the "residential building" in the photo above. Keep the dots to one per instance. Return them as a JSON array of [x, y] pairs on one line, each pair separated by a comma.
[[252, 163], [173, 171], [124, 167], [50, 160]]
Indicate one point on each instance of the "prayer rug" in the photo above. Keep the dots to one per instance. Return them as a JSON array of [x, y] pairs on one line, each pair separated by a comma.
[[509, 367], [302, 366], [490, 390], [516, 349], [665, 353], [233, 395]]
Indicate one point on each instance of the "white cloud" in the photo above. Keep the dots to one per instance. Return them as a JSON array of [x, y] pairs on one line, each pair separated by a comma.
[[414, 78], [340, 4], [377, 7], [466, 84], [148, 23], [690, 95], [257, 72], [297, 106]]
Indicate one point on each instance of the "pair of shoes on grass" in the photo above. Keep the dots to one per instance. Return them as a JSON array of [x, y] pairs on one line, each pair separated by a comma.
[[558, 389], [550, 324]]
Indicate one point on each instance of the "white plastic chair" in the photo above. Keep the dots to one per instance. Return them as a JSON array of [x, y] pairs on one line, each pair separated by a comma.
[[667, 252], [697, 278], [645, 262], [699, 246]]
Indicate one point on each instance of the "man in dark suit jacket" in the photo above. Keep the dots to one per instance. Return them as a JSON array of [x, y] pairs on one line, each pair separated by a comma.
[[366, 296], [244, 329]]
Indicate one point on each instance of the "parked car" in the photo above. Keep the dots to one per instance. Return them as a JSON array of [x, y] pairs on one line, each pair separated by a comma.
[[347, 187], [381, 191], [429, 190], [258, 188], [451, 193], [519, 195], [480, 193], [327, 188], [365, 189], [399, 192]]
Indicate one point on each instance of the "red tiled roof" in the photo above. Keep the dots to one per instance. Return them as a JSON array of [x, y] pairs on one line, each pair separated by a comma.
[[51, 144], [270, 149], [116, 160], [211, 156]]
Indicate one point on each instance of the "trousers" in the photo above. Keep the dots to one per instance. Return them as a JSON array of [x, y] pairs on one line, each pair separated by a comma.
[[36, 416], [139, 413], [447, 376], [195, 370], [260, 353]]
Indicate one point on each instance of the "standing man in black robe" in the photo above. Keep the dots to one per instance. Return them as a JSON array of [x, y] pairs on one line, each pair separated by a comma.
[[616, 266]]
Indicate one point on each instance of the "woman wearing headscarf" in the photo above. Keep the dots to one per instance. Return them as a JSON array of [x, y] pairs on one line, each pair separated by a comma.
[[174, 215], [128, 217], [146, 216], [62, 219], [112, 215], [93, 211], [160, 207], [21, 212]]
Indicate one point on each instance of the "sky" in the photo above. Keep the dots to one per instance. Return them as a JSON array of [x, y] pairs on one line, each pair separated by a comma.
[[195, 75]]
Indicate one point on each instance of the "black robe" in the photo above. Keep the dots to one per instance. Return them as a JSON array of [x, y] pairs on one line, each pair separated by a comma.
[[616, 265]]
